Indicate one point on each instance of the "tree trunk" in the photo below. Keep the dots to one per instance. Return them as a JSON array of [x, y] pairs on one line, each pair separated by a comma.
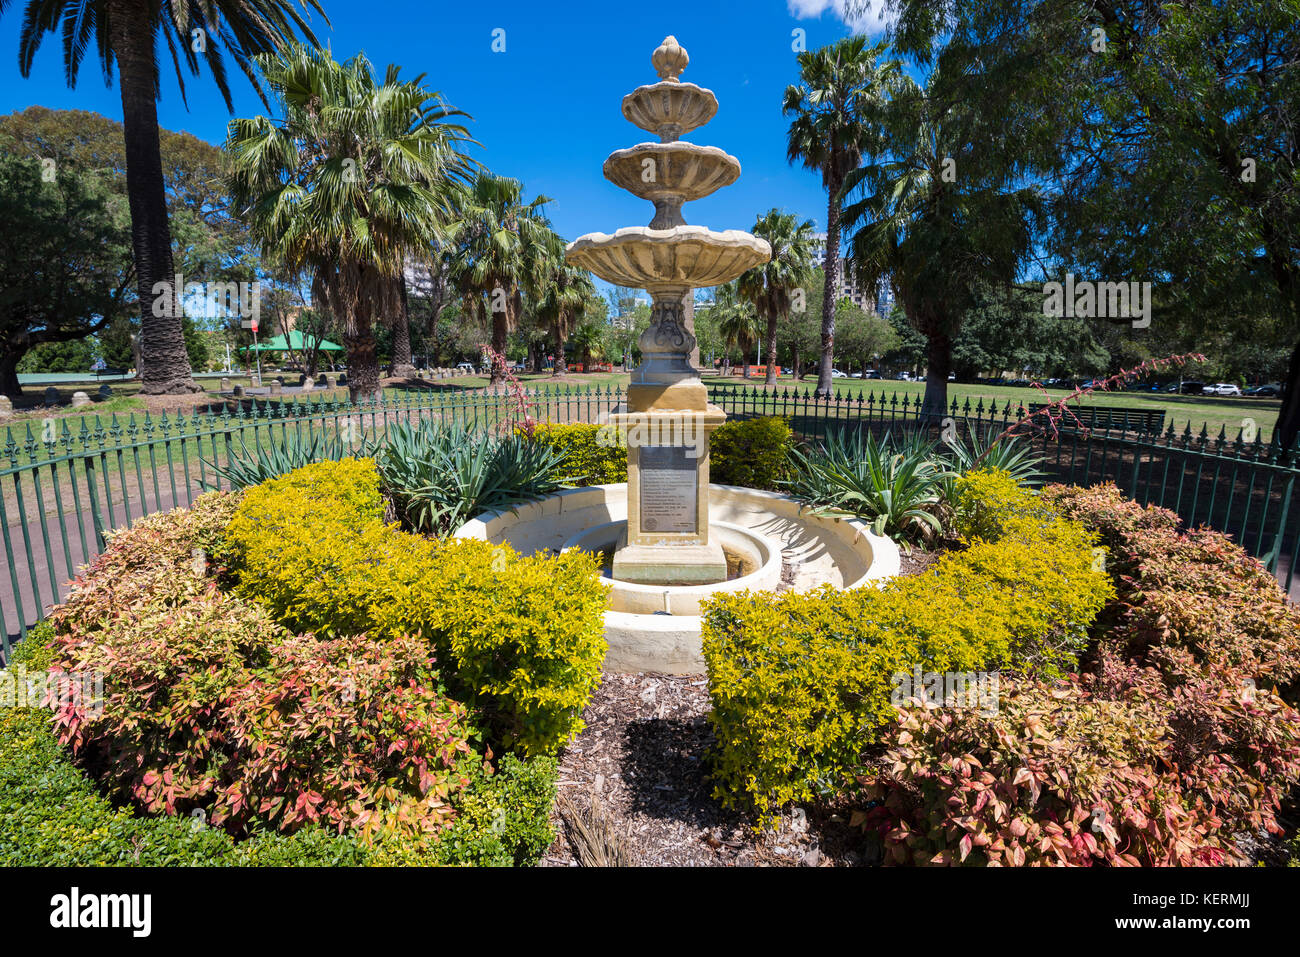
[[770, 378], [9, 374], [166, 365], [938, 363], [798, 370], [363, 357], [500, 337], [1288, 416], [561, 365], [831, 268], [402, 367]]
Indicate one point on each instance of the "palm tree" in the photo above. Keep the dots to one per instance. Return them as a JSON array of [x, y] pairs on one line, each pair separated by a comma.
[[837, 84], [940, 210], [500, 248], [737, 321], [562, 297], [589, 343], [354, 176], [126, 32], [770, 287]]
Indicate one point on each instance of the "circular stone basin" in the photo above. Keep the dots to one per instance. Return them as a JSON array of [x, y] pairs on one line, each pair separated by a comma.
[[747, 548], [783, 541]]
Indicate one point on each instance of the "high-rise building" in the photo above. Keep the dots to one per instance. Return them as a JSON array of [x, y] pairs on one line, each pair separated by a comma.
[[866, 299]]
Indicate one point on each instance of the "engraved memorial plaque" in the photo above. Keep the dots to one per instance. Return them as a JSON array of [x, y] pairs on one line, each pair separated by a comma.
[[669, 489]]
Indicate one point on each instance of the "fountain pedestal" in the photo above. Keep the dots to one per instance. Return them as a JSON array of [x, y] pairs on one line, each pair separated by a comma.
[[668, 499], [667, 422]]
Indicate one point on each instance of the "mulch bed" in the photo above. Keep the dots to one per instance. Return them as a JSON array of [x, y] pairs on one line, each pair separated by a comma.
[[640, 766], [638, 775]]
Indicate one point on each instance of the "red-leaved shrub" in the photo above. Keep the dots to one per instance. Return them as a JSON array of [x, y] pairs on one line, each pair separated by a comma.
[[211, 706], [1173, 742]]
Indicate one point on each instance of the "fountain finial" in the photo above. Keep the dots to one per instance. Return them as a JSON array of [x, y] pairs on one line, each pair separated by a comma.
[[669, 59]]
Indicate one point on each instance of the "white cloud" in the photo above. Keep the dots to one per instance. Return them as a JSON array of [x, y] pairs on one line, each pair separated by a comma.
[[862, 16]]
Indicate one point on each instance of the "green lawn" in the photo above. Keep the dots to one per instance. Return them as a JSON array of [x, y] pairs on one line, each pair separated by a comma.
[[1229, 414], [1182, 410]]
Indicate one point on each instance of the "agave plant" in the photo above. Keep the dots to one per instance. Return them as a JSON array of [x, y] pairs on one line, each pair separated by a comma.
[[259, 464], [893, 483], [440, 475], [987, 451]]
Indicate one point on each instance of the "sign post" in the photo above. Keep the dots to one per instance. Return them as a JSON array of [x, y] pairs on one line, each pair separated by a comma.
[[256, 354]]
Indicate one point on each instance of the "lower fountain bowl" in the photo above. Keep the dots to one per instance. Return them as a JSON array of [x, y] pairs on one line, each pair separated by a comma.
[[657, 627], [758, 555]]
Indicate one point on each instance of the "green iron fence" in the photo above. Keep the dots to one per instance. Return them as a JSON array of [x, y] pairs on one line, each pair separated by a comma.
[[1247, 489], [68, 481]]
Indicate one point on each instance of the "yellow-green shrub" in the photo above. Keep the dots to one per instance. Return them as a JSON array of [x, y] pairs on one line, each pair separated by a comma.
[[801, 682], [753, 453], [594, 454], [520, 638]]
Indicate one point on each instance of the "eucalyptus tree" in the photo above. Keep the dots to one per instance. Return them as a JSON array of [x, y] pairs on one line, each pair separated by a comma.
[[837, 85], [499, 244], [352, 177], [780, 283], [125, 34], [1167, 133]]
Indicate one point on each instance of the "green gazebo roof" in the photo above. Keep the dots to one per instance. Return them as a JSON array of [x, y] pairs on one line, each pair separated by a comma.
[[296, 340]]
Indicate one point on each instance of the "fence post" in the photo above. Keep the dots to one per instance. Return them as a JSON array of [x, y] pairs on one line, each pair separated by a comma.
[[1276, 550]]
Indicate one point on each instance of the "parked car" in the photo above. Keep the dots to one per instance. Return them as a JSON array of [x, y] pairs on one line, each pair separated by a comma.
[[1190, 387], [904, 377], [466, 368], [837, 374], [1221, 388], [1271, 390], [873, 373]]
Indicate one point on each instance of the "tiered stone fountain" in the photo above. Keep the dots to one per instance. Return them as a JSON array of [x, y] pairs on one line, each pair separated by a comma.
[[675, 539], [668, 418]]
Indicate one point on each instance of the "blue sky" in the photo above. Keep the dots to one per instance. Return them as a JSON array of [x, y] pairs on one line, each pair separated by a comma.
[[547, 109]]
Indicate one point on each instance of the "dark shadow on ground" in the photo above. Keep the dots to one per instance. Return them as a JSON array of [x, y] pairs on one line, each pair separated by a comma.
[[666, 772]]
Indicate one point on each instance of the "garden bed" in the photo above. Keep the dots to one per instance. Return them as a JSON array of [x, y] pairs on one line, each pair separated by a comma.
[[641, 765]]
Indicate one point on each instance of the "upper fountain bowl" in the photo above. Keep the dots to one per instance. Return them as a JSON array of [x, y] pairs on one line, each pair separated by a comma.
[[676, 258], [670, 110]]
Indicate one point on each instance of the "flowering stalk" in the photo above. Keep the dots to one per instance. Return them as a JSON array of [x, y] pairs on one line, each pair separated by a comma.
[[499, 365], [1053, 411]]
